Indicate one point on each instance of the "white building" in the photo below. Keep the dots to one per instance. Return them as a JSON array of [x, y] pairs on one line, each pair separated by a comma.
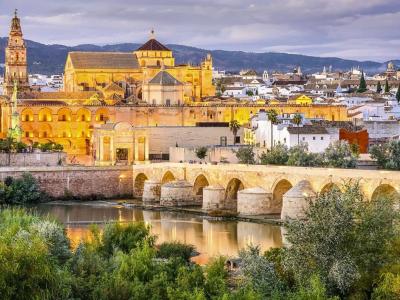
[[317, 138], [235, 91]]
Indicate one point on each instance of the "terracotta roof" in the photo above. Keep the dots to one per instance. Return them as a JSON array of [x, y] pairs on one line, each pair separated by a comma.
[[113, 87], [153, 45], [43, 103], [164, 78], [59, 95], [104, 60], [307, 129]]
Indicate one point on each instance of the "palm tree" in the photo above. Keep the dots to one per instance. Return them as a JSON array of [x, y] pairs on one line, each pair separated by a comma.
[[297, 119], [234, 126], [273, 118]]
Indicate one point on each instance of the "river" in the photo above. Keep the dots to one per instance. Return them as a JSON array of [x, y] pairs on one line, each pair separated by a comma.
[[211, 238]]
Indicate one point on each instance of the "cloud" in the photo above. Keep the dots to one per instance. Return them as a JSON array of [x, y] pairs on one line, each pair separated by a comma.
[[348, 28]]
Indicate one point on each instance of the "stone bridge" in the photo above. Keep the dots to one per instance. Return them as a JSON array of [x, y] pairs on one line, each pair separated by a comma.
[[252, 189]]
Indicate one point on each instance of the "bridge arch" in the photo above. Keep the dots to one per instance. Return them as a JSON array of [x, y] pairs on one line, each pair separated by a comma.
[[385, 190], [139, 184], [168, 177], [231, 193], [199, 184], [281, 187], [329, 187]]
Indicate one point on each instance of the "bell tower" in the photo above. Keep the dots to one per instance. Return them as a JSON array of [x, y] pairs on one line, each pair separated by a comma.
[[15, 61]]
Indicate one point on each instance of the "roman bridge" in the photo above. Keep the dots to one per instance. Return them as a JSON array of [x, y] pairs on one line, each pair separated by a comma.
[[252, 189]]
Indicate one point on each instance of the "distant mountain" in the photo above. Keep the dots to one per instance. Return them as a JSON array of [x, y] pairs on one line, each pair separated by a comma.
[[50, 59]]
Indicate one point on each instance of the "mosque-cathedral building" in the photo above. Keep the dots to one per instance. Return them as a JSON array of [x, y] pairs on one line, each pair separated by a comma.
[[113, 99]]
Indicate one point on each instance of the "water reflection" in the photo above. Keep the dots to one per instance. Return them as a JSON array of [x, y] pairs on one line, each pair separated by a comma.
[[211, 238]]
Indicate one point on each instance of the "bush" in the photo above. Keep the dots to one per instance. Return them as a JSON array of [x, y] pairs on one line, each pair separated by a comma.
[[387, 155], [24, 190], [175, 249], [201, 152], [278, 155], [340, 155], [344, 239], [245, 155], [125, 237], [299, 156], [28, 269]]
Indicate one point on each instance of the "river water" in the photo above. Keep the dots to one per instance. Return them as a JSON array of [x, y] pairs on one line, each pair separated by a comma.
[[211, 238]]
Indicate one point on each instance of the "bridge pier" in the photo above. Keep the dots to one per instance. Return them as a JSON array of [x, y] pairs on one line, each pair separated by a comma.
[[151, 191], [213, 197], [295, 201], [177, 193], [254, 201]]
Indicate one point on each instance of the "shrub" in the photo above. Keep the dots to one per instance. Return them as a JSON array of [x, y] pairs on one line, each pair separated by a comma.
[[387, 155], [175, 249], [299, 156], [22, 190], [201, 152], [125, 237], [344, 239], [340, 155], [245, 155], [278, 155]]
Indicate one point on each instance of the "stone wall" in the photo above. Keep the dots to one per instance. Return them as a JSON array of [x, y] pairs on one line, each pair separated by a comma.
[[32, 159], [78, 181]]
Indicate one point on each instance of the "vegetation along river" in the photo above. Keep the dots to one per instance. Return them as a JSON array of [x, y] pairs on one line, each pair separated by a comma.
[[211, 238]]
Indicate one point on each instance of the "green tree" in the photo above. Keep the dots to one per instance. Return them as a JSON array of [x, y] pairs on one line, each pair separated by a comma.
[[387, 87], [201, 152], [340, 154], [23, 190], [379, 87], [387, 155], [276, 156], [234, 127], [258, 272], [28, 269], [297, 120], [344, 239], [300, 156], [398, 94], [245, 155], [249, 93], [362, 87], [273, 118]]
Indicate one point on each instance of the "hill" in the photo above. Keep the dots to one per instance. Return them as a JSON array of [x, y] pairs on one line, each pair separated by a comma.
[[50, 59]]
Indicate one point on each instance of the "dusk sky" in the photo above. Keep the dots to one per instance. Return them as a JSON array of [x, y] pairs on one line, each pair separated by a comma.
[[355, 29]]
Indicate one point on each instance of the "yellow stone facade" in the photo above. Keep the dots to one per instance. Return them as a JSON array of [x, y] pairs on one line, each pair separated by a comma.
[[90, 71]]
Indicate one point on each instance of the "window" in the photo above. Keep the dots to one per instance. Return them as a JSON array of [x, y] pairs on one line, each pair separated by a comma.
[[237, 139], [284, 140], [304, 138], [313, 138], [322, 138], [168, 102], [223, 141]]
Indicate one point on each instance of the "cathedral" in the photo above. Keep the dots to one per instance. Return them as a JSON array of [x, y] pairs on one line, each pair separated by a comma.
[[112, 101], [133, 71]]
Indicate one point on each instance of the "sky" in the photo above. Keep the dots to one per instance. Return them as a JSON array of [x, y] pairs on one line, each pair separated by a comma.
[[352, 29]]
